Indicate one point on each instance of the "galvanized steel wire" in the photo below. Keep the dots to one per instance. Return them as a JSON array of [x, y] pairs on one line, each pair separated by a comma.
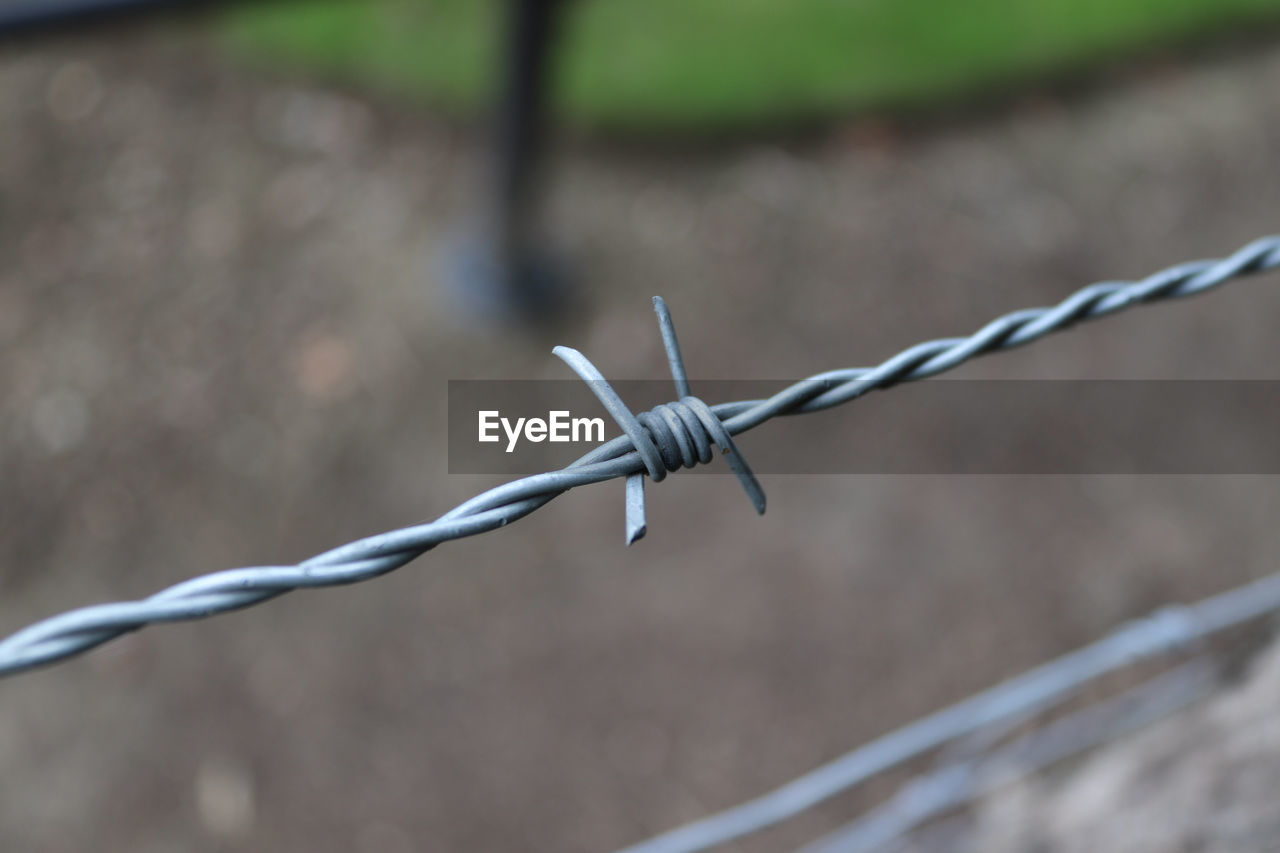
[[77, 631], [956, 785], [1035, 691]]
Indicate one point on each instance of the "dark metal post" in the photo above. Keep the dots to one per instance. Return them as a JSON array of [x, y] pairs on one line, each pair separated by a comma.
[[505, 270], [521, 121]]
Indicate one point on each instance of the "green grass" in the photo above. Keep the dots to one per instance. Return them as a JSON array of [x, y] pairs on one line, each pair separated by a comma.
[[691, 65]]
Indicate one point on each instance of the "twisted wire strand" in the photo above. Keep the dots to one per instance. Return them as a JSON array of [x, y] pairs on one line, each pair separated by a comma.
[[956, 785], [1038, 690], [77, 631]]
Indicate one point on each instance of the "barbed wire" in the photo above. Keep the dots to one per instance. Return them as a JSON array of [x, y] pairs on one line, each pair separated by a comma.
[[964, 779], [955, 785], [649, 451]]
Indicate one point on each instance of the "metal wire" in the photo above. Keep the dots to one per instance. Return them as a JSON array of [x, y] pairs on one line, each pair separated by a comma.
[[77, 631], [1039, 689], [959, 784], [669, 435]]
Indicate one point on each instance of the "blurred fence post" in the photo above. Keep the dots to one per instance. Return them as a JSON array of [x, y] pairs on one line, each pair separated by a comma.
[[505, 269]]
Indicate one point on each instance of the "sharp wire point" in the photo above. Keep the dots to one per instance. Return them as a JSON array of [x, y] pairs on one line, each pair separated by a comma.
[[636, 526], [672, 346]]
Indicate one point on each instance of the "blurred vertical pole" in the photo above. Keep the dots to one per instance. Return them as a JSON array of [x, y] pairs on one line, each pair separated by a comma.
[[505, 271], [522, 125]]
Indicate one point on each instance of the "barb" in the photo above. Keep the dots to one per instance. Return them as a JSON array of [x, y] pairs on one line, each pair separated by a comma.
[[77, 631], [668, 435]]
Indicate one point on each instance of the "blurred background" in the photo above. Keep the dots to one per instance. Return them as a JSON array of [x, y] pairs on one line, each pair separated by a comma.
[[227, 324]]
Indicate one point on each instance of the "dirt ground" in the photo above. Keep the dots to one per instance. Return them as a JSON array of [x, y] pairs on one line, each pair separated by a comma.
[[223, 343]]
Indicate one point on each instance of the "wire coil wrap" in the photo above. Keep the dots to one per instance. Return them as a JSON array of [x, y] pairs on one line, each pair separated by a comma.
[[668, 435], [679, 434]]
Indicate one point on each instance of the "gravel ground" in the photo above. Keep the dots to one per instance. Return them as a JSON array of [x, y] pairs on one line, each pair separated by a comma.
[[223, 345]]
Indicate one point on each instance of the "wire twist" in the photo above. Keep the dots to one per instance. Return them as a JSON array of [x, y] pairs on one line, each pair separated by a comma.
[[668, 435], [77, 631]]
